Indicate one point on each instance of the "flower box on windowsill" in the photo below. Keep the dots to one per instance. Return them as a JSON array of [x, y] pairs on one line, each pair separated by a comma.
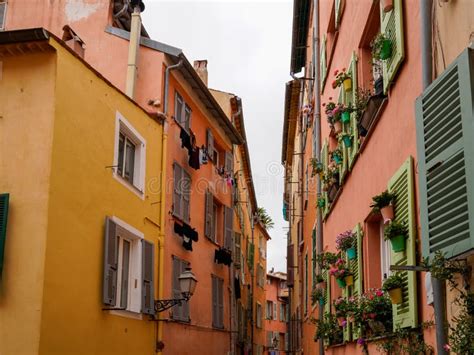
[[370, 114]]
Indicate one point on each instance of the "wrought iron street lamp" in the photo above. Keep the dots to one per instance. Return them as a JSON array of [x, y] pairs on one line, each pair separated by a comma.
[[187, 284]]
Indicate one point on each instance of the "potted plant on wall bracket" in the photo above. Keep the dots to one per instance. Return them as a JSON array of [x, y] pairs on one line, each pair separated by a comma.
[[381, 47], [346, 138], [328, 329], [340, 271], [326, 259], [342, 308], [333, 113], [346, 242], [384, 203], [317, 296], [316, 166], [397, 233], [321, 202], [393, 285], [337, 156], [345, 112], [320, 282], [342, 79]]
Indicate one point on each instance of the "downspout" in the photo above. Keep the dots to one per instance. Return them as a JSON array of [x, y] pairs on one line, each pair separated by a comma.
[[252, 321], [164, 142], [317, 128], [134, 46], [439, 286]]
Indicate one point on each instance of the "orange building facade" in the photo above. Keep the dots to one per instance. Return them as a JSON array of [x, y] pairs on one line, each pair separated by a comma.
[[334, 167], [276, 313]]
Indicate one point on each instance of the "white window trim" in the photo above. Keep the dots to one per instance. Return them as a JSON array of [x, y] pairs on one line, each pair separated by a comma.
[[135, 293], [122, 125], [385, 254]]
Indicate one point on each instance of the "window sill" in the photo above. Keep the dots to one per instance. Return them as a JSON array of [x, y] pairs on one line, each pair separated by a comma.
[[126, 314], [129, 186], [181, 321]]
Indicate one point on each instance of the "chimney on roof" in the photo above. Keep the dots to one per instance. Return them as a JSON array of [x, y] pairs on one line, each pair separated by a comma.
[[201, 69], [73, 41]]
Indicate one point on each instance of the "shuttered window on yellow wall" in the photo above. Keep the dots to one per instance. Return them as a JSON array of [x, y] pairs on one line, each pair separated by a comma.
[[392, 27], [401, 184]]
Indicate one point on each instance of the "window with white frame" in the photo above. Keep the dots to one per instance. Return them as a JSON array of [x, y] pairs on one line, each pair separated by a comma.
[[3, 14], [128, 268], [385, 254], [269, 310], [129, 157]]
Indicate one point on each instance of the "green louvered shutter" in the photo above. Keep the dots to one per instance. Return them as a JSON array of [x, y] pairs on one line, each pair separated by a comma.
[[338, 11], [405, 314], [325, 161], [4, 202], [392, 28], [357, 268], [341, 146], [327, 298], [323, 63], [346, 292], [351, 97], [445, 115]]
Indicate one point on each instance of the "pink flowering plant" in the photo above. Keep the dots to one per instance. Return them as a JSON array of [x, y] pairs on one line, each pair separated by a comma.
[[375, 308], [339, 270], [345, 240], [343, 307], [333, 111], [340, 77]]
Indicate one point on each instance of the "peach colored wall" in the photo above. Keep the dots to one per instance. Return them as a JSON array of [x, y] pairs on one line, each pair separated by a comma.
[[272, 289]]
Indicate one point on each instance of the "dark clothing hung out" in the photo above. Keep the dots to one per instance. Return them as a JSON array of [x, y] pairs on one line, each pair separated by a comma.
[[223, 256], [188, 141], [237, 288], [185, 139], [194, 158], [188, 233]]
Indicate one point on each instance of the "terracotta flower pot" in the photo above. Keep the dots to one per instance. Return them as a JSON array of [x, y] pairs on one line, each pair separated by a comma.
[[337, 127], [387, 5], [387, 213], [396, 295], [347, 84]]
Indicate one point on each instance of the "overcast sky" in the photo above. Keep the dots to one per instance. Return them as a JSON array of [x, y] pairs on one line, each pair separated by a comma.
[[247, 45]]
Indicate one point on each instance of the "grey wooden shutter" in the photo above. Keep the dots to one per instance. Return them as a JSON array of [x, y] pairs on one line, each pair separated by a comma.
[[3, 13], [228, 227], [220, 300], [229, 162], [4, 205], [176, 291], [215, 297], [148, 295], [209, 216], [178, 108], [210, 144], [187, 117], [185, 305], [110, 263], [185, 193], [444, 121], [177, 190]]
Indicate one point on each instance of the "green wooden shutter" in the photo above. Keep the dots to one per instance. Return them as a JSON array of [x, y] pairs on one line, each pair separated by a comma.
[[357, 268], [338, 12], [109, 293], [313, 259], [327, 298], [148, 294], [341, 146], [325, 160], [392, 28], [4, 204], [445, 115], [323, 63], [351, 97], [406, 313], [346, 292]]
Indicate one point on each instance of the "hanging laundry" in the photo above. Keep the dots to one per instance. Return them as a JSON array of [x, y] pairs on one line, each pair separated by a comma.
[[178, 229], [185, 139], [237, 288], [190, 232], [203, 155], [223, 256], [187, 243], [194, 161]]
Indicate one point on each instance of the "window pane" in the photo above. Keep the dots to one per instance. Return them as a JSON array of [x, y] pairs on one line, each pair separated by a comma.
[[178, 108], [187, 118], [129, 160], [121, 154], [125, 273]]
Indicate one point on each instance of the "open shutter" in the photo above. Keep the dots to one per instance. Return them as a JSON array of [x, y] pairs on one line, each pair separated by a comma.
[[323, 63], [327, 298], [405, 314], [341, 145], [109, 293], [275, 311], [3, 14], [186, 190], [338, 11], [445, 114], [357, 269], [229, 162], [177, 190], [209, 216], [220, 289], [215, 297], [185, 304], [4, 204], [148, 294], [392, 27], [290, 265], [346, 292], [351, 97], [210, 144], [325, 160], [228, 227]]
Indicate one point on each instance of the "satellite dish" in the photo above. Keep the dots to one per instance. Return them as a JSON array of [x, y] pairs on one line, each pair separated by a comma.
[[138, 3]]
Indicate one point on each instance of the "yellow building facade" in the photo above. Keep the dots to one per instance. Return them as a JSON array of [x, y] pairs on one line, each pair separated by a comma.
[[82, 165]]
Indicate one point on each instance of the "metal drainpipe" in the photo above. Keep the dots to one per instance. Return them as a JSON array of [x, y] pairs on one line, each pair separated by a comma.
[[167, 81], [252, 286], [439, 287], [317, 127]]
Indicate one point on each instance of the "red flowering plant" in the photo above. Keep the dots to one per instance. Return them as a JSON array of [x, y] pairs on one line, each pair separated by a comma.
[[340, 77], [326, 259], [345, 240], [343, 307], [339, 270], [375, 312]]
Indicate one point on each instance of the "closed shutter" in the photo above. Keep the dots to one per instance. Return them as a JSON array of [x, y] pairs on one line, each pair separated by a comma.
[[289, 265], [401, 184], [251, 254], [209, 216], [325, 160], [177, 190], [148, 295], [109, 293], [4, 205], [229, 163], [269, 338], [179, 312], [220, 289], [228, 227], [323, 63], [351, 97], [210, 144], [445, 115], [327, 298], [185, 202], [178, 108], [185, 304], [392, 27], [215, 297], [3, 14], [356, 266], [341, 145]]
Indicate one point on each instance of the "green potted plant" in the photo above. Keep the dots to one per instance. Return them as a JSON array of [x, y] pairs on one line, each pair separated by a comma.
[[346, 138], [384, 203], [328, 330], [381, 47], [333, 113], [321, 202], [374, 314], [317, 296], [317, 167], [341, 273], [397, 233], [319, 280], [347, 242], [337, 156], [393, 285], [342, 78], [326, 259], [342, 308], [345, 112]]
